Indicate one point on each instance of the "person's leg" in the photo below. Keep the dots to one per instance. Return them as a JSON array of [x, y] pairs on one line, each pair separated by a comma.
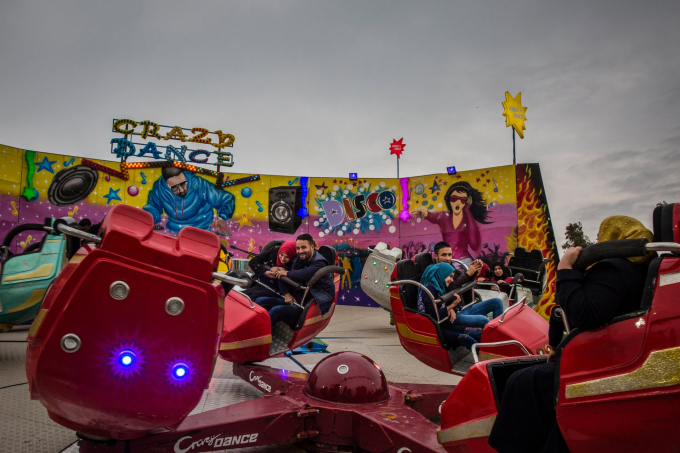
[[471, 320], [457, 338], [526, 402], [289, 314], [474, 333], [485, 307], [269, 302]]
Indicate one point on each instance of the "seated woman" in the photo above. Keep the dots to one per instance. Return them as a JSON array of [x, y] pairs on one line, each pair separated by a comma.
[[500, 274], [436, 278], [609, 288], [281, 255], [474, 315]]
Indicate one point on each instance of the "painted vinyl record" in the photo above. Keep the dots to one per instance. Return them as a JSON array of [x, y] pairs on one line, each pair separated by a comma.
[[72, 185]]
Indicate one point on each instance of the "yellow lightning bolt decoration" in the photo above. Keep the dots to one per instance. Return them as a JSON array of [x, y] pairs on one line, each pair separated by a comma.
[[514, 113]]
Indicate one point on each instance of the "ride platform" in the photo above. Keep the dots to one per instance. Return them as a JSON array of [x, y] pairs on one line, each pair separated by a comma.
[[26, 427]]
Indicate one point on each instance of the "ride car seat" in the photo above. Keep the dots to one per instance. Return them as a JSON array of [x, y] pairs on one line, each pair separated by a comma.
[[627, 366], [423, 260], [532, 266], [282, 334], [407, 270]]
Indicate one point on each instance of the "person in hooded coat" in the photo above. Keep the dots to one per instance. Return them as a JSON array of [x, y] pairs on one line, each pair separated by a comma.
[[189, 201], [526, 420]]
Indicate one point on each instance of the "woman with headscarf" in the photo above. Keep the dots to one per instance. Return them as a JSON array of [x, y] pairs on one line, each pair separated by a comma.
[[436, 278], [607, 289], [274, 253], [499, 273]]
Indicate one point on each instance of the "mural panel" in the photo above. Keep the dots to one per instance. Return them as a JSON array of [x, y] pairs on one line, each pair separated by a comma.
[[475, 211]]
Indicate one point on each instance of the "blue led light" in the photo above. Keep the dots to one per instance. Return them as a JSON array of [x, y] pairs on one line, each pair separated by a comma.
[[352, 176], [126, 358], [180, 371], [451, 170]]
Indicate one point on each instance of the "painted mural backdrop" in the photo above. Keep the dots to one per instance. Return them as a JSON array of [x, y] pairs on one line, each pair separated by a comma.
[[535, 228], [475, 211]]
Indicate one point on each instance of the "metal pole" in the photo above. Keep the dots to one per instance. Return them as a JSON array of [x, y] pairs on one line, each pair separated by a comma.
[[514, 161], [397, 167], [514, 164]]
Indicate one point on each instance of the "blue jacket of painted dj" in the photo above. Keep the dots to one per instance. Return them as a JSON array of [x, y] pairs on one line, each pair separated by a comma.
[[194, 209]]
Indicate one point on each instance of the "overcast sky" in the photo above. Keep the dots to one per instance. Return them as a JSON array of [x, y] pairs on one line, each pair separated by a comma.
[[321, 88]]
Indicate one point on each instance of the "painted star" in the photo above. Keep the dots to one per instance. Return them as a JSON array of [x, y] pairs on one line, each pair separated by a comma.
[[459, 177], [335, 181], [322, 187], [435, 187], [488, 181], [478, 179], [46, 164], [245, 220], [112, 195]]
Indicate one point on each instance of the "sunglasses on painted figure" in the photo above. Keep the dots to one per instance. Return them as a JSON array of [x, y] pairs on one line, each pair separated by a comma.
[[456, 197], [176, 187]]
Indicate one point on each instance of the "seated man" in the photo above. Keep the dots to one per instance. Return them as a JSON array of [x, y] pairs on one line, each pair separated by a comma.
[[474, 315], [305, 265]]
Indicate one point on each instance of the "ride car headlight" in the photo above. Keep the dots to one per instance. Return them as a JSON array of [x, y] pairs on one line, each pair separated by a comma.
[[174, 306], [119, 290]]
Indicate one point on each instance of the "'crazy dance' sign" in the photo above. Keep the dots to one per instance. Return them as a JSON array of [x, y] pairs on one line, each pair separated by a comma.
[[125, 148]]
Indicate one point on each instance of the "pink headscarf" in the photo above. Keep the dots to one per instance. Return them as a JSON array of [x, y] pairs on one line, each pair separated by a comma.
[[287, 248]]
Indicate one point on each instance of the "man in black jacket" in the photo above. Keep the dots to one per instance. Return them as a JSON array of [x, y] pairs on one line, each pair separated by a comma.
[[307, 262]]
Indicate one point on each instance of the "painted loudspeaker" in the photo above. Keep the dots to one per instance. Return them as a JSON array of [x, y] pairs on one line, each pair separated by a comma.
[[72, 185], [284, 204]]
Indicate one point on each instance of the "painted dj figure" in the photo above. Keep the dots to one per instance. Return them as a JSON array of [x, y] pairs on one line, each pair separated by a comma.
[[189, 201]]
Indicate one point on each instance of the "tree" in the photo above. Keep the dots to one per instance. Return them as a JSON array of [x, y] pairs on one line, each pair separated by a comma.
[[575, 237]]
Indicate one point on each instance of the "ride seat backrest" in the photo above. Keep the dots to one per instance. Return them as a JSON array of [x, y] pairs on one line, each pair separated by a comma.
[[329, 253], [520, 258], [669, 223], [656, 223], [407, 270], [423, 260]]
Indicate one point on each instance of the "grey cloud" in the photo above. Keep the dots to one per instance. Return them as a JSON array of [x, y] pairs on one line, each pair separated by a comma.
[[320, 88]]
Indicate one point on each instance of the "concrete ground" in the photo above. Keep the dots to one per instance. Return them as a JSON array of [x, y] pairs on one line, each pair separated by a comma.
[[26, 428]]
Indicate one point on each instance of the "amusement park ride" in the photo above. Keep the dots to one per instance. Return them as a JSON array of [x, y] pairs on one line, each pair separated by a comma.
[[128, 333]]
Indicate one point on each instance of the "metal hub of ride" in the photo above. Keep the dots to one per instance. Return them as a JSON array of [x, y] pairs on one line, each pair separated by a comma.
[[345, 404]]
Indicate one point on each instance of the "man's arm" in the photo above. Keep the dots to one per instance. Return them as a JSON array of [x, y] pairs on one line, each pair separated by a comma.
[[461, 278], [154, 206], [303, 275], [223, 201], [257, 263]]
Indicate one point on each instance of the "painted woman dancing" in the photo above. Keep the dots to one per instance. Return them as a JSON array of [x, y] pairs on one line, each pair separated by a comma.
[[460, 225]]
